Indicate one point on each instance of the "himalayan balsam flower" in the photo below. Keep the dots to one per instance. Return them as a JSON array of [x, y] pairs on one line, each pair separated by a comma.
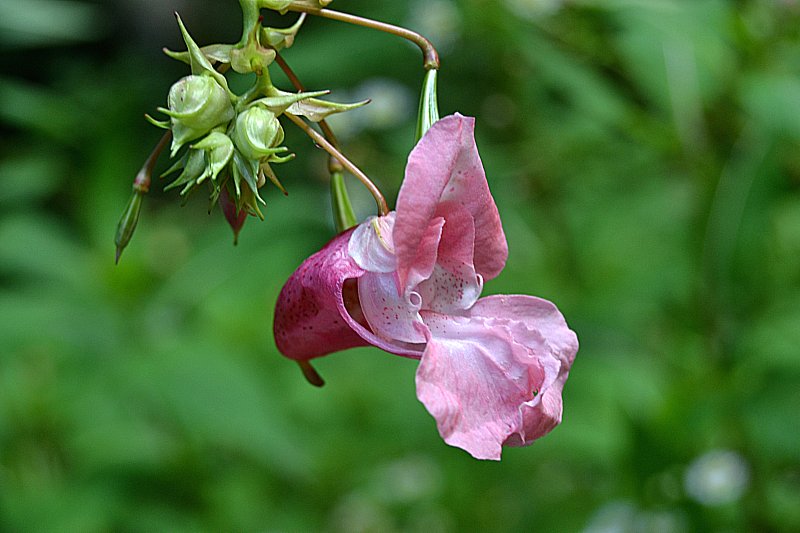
[[491, 369]]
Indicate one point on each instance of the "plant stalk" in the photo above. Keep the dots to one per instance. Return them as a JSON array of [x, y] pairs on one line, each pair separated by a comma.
[[430, 57], [322, 142]]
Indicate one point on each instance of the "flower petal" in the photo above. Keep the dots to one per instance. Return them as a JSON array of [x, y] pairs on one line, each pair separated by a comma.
[[445, 166], [473, 379], [311, 315], [390, 315], [308, 317], [452, 288], [371, 244], [541, 318], [542, 328]]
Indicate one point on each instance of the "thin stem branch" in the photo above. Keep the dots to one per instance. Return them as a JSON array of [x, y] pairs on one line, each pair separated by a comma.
[[142, 181], [323, 143], [430, 56]]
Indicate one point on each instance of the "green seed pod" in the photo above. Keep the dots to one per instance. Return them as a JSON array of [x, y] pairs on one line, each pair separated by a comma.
[[197, 104], [257, 133]]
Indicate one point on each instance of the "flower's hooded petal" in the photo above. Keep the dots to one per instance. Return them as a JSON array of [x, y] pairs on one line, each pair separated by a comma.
[[310, 316], [445, 167], [318, 310], [538, 325], [474, 377]]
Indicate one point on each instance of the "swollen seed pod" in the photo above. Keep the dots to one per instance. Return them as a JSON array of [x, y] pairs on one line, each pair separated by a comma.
[[197, 104], [257, 133]]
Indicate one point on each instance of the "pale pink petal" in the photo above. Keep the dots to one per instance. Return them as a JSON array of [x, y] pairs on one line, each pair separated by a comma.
[[390, 315], [542, 328], [445, 167], [541, 317], [311, 315], [473, 379], [371, 245], [452, 288], [539, 418]]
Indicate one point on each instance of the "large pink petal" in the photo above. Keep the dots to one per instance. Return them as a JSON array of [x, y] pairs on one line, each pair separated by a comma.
[[474, 378], [458, 234], [311, 315], [541, 327], [445, 167]]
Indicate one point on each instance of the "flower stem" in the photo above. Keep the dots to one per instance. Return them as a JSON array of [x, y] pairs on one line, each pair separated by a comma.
[[141, 182], [343, 216], [295, 81], [323, 143], [430, 56]]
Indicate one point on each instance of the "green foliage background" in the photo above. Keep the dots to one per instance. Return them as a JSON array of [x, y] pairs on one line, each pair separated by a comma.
[[644, 157]]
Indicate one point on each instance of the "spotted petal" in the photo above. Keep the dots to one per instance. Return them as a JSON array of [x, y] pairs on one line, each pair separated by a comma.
[[318, 311]]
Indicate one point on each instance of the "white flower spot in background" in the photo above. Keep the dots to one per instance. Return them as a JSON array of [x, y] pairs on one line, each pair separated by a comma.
[[391, 103], [717, 477]]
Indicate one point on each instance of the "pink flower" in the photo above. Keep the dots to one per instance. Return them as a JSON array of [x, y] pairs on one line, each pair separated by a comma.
[[491, 369]]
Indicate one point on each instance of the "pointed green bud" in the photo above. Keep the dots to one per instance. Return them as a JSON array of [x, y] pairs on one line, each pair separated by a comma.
[[221, 53], [246, 170], [197, 104], [197, 60], [194, 168], [257, 133], [428, 104], [127, 222], [219, 151], [316, 110], [279, 101], [280, 38], [250, 56]]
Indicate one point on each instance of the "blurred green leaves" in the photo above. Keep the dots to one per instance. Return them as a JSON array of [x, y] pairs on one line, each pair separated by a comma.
[[644, 159], [47, 22]]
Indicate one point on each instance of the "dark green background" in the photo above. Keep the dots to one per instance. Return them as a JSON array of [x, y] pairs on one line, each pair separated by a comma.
[[644, 158]]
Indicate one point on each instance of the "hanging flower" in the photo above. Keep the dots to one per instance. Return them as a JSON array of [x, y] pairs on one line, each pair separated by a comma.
[[491, 369]]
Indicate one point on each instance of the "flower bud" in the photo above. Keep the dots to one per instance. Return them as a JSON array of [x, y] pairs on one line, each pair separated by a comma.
[[197, 104], [257, 133], [234, 215], [219, 150], [127, 222]]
